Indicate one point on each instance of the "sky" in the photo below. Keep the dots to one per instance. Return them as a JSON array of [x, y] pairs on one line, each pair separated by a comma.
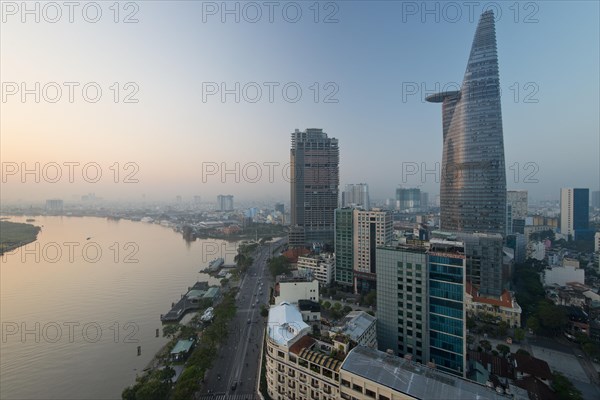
[[154, 99]]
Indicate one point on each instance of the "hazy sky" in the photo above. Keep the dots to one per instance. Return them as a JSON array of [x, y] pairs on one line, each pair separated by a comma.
[[363, 68]]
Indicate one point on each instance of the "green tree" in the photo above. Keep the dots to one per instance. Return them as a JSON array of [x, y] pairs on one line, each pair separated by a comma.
[[519, 334], [503, 349], [326, 305], [170, 330], [502, 328], [533, 323], [337, 306], [485, 345], [346, 310], [523, 352], [371, 298], [564, 387]]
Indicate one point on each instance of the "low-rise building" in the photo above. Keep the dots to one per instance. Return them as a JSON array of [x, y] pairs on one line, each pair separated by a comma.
[[505, 308], [292, 289], [561, 275], [321, 266], [359, 327]]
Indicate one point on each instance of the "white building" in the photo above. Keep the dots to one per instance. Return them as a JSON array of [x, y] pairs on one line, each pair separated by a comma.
[[322, 267], [561, 275], [297, 288], [359, 327], [536, 250]]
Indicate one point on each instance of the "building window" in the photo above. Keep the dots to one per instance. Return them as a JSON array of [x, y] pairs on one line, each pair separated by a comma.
[[356, 387]]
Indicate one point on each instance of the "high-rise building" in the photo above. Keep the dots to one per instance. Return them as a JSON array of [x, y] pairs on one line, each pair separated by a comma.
[[473, 176], [225, 202], [424, 201], [485, 257], [314, 165], [358, 233], [280, 207], [596, 199], [420, 303], [371, 229], [575, 212], [54, 206], [408, 199], [344, 242], [356, 195], [516, 200]]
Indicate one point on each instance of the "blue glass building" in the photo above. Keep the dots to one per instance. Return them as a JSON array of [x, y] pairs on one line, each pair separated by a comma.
[[473, 176]]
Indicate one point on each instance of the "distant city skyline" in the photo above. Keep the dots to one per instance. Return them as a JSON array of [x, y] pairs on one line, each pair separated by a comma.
[[184, 134]]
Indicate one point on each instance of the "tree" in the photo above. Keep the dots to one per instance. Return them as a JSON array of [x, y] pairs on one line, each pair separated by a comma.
[[346, 310], [519, 334], [486, 345], [503, 349], [471, 322], [523, 352], [326, 305], [533, 324], [502, 328], [564, 387], [337, 306], [371, 298], [170, 330]]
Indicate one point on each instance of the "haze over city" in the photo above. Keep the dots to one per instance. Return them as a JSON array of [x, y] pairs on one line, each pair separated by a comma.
[[363, 69]]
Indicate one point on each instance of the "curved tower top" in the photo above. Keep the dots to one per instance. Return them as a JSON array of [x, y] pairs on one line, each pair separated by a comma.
[[473, 176]]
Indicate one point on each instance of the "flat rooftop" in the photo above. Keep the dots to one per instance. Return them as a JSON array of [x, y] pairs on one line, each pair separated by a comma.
[[414, 379]]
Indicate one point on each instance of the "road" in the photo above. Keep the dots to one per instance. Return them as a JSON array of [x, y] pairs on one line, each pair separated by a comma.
[[238, 359]]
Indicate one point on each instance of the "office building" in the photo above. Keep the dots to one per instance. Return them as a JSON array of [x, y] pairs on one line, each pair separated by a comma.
[[369, 229], [420, 304], [575, 213], [54, 206], [344, 244], [408, 200], [321, 266], [356, 195], [473, 176], [225, 202], [314, 166], [596, 199]]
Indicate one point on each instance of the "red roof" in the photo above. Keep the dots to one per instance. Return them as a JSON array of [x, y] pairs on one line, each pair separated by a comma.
[[304, 343], [505, 299]]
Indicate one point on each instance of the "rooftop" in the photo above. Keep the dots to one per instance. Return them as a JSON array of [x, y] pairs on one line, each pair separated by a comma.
[[505, 299], [182, 346], [414, 379], [285, 324], [355, 324]]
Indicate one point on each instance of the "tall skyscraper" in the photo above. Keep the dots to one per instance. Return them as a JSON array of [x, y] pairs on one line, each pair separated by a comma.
[[225, 202], [344, 243], [421, 310], [408, 199], [596, 199], [473, 178], [357, 235], [356, 195], [314, 160], [575, 212]]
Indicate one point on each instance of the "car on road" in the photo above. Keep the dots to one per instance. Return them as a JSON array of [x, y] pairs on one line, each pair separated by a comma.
[[249, 320], [233, 385]]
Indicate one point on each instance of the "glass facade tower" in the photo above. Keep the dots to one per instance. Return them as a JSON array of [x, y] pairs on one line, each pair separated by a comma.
[[473, 176]]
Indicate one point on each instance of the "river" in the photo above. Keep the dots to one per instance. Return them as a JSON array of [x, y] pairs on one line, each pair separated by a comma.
[[77, 303]]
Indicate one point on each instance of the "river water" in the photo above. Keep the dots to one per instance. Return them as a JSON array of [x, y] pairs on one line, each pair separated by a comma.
[[77, 303]]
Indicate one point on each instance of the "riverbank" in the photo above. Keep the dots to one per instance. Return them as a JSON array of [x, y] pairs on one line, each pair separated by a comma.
[[15, 234]]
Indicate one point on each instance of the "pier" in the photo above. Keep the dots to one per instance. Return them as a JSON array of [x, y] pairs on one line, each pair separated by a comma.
[[188, 302]]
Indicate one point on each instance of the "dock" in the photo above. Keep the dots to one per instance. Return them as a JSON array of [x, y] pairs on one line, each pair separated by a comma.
[[188, 302]]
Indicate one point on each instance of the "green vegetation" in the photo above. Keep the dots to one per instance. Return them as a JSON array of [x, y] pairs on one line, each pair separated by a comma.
[[588, 346], [541, 315], [278, 266], [564, 388], [15, 234], [154, 386], [157, 384]]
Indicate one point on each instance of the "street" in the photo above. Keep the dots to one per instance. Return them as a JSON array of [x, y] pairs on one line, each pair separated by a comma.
[[234, 373]]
